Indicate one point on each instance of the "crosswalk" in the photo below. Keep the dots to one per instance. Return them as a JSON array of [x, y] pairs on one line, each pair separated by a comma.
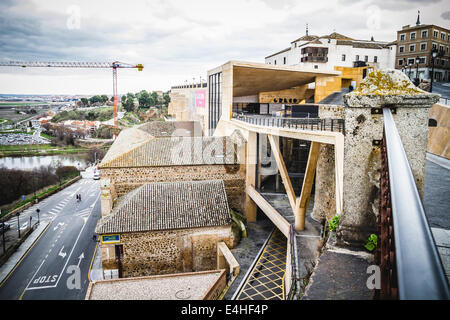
[[52, 212]]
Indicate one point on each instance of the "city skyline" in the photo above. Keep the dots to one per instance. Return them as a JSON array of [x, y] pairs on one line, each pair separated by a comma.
[[176, 41]]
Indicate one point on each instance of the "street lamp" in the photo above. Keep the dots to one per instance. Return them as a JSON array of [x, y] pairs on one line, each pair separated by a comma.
[[410, 65], [38, 210], [417, 71], [434, 53]]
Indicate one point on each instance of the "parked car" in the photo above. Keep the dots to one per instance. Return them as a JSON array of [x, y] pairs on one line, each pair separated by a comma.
[[96, 176], [4, 226]]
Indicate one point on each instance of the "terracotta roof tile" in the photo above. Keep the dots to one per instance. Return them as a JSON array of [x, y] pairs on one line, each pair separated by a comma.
[[168, 206]]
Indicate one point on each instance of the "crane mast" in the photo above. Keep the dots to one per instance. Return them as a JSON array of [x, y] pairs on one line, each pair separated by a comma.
[[114, 65]]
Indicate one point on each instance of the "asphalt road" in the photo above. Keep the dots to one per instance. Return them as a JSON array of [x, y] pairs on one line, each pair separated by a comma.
[[57, 265]]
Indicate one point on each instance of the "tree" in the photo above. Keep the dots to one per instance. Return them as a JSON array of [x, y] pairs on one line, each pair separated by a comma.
[[144, 99], [104, 98], [128, 102], [85, 101]]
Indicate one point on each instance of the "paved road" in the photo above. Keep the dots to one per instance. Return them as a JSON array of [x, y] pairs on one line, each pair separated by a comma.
[[67, 244]]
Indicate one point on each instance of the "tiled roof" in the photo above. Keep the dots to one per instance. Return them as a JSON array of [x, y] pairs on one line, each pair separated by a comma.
[[177, 151], [306, 38], [274, 54], [168, 206], [172, 128]]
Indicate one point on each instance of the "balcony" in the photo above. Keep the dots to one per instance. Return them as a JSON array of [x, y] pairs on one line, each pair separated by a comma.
[[314, 59]]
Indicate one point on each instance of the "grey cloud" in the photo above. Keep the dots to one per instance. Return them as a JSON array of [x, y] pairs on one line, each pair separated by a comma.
[[445, 15]]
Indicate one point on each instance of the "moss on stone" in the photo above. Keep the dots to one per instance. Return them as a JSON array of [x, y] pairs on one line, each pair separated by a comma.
[[386, 82]]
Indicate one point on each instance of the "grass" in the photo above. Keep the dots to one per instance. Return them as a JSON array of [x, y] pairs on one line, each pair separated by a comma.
[[38, 150], [10, 104], [47, 136]]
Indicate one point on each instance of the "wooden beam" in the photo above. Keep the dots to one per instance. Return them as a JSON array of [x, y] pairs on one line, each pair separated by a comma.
[[303, 200], [250, 176], [278, 220], [283, 171]]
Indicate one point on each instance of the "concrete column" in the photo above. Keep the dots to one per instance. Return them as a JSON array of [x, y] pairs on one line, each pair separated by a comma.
[[250, 179], [380, 89]]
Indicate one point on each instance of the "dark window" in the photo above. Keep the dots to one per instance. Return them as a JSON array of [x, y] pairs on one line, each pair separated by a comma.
[[402, 37], [425, 34], [343, 57], [366, 58], [401, 49], [413, 36], [435, 33], [423, 47], [215, 100], [284, 60], [400, 62], [412, 48], [357, 57], [275, 62], [375, 59]]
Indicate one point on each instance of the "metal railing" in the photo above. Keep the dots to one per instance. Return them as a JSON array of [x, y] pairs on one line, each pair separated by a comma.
[[444, 101], [409, 261], [315, 124]]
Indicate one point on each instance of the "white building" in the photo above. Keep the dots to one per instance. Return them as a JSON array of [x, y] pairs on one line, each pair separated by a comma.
[[326, 52]]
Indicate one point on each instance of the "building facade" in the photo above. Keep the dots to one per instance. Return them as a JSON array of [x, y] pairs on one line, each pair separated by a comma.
[[415, 44], [327, 52]]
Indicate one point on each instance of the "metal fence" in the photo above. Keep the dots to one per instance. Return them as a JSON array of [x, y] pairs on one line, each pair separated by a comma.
[[316, 124], [409, 261]]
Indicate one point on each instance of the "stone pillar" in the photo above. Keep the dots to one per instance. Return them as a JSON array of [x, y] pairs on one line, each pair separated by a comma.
[[325, 187], [382, 88], [107, 196]]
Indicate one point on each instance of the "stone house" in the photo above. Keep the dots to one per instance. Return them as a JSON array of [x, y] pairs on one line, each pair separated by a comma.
[[137, 157], [166, 227]]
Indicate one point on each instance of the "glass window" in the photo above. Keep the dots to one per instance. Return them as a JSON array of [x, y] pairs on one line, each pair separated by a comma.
[[402, 37], [357, 57], [375, 59], [343, 57], [423, 46], [412, 47], [425, 34], [412, 35], [400, 62], [401, 49], [442, 36], [366, 58], [215, 100], [284, 60], [435, 33]]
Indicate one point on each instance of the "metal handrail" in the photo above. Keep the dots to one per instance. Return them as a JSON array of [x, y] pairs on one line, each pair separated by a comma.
[[420, 274], [314, 124]]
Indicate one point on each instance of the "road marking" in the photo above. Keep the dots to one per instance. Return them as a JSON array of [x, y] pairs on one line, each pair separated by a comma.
[[61, 253], [75, 244]]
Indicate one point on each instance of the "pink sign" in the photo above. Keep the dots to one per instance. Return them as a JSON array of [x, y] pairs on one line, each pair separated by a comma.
[[200, 98]]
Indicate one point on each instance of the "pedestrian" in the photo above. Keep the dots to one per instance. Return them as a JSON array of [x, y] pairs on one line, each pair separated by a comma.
[[79, 196]]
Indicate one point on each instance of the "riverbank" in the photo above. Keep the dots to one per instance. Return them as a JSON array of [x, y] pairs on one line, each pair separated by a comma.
[[38, 150]]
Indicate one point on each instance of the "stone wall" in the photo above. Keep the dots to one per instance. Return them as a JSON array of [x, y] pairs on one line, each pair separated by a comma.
[[386, 88], [125, 180], [171, 251]]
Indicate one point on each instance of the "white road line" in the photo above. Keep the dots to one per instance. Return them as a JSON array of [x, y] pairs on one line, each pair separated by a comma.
[[74, 246], [35, 274]]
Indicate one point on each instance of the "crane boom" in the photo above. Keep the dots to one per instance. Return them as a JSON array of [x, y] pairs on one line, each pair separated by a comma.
[[114, 65]]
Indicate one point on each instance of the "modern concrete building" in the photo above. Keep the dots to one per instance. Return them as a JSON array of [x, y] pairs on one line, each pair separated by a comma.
[[414, 51], [334, 50]]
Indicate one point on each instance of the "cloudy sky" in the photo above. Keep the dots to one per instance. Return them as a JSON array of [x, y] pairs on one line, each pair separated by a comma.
[[176, 40]]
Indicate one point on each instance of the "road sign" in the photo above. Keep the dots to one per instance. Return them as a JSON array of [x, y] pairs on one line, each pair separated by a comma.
[[110, 238]]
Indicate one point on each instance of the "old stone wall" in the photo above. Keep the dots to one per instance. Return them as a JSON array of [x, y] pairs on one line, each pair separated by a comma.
[[128, 179], [171, 251], [362, 158], [325, 184]]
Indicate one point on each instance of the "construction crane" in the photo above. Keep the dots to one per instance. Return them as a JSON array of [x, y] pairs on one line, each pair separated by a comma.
[[114, 65]]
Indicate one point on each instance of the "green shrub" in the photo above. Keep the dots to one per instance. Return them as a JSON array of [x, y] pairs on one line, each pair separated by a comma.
[[333, 223], [372, 242]]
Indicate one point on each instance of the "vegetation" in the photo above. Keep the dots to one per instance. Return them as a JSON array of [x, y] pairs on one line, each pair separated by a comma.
[[15, 183], [38, 150], [97, 114], [371, 242], [333, 223], [95, 154]]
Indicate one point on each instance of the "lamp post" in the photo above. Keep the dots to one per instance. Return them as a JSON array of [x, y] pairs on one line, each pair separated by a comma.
[[410, 65], [18, 223], [417, 71], [38, 210], [434, 54]]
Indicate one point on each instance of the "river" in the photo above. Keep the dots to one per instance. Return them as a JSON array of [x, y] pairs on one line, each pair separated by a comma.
[[27, 163]]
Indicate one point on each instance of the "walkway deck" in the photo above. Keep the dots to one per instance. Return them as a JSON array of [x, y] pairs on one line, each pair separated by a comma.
[[266, 279]]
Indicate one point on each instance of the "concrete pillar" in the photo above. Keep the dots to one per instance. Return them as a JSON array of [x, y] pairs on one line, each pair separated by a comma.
[[250, 178], [107, 196], [380, 89]]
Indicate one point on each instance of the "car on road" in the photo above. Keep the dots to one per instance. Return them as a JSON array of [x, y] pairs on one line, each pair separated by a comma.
[[96, 176], [4, 226]]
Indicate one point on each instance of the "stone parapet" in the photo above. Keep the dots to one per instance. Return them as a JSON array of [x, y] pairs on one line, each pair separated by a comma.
[[363, 128]]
